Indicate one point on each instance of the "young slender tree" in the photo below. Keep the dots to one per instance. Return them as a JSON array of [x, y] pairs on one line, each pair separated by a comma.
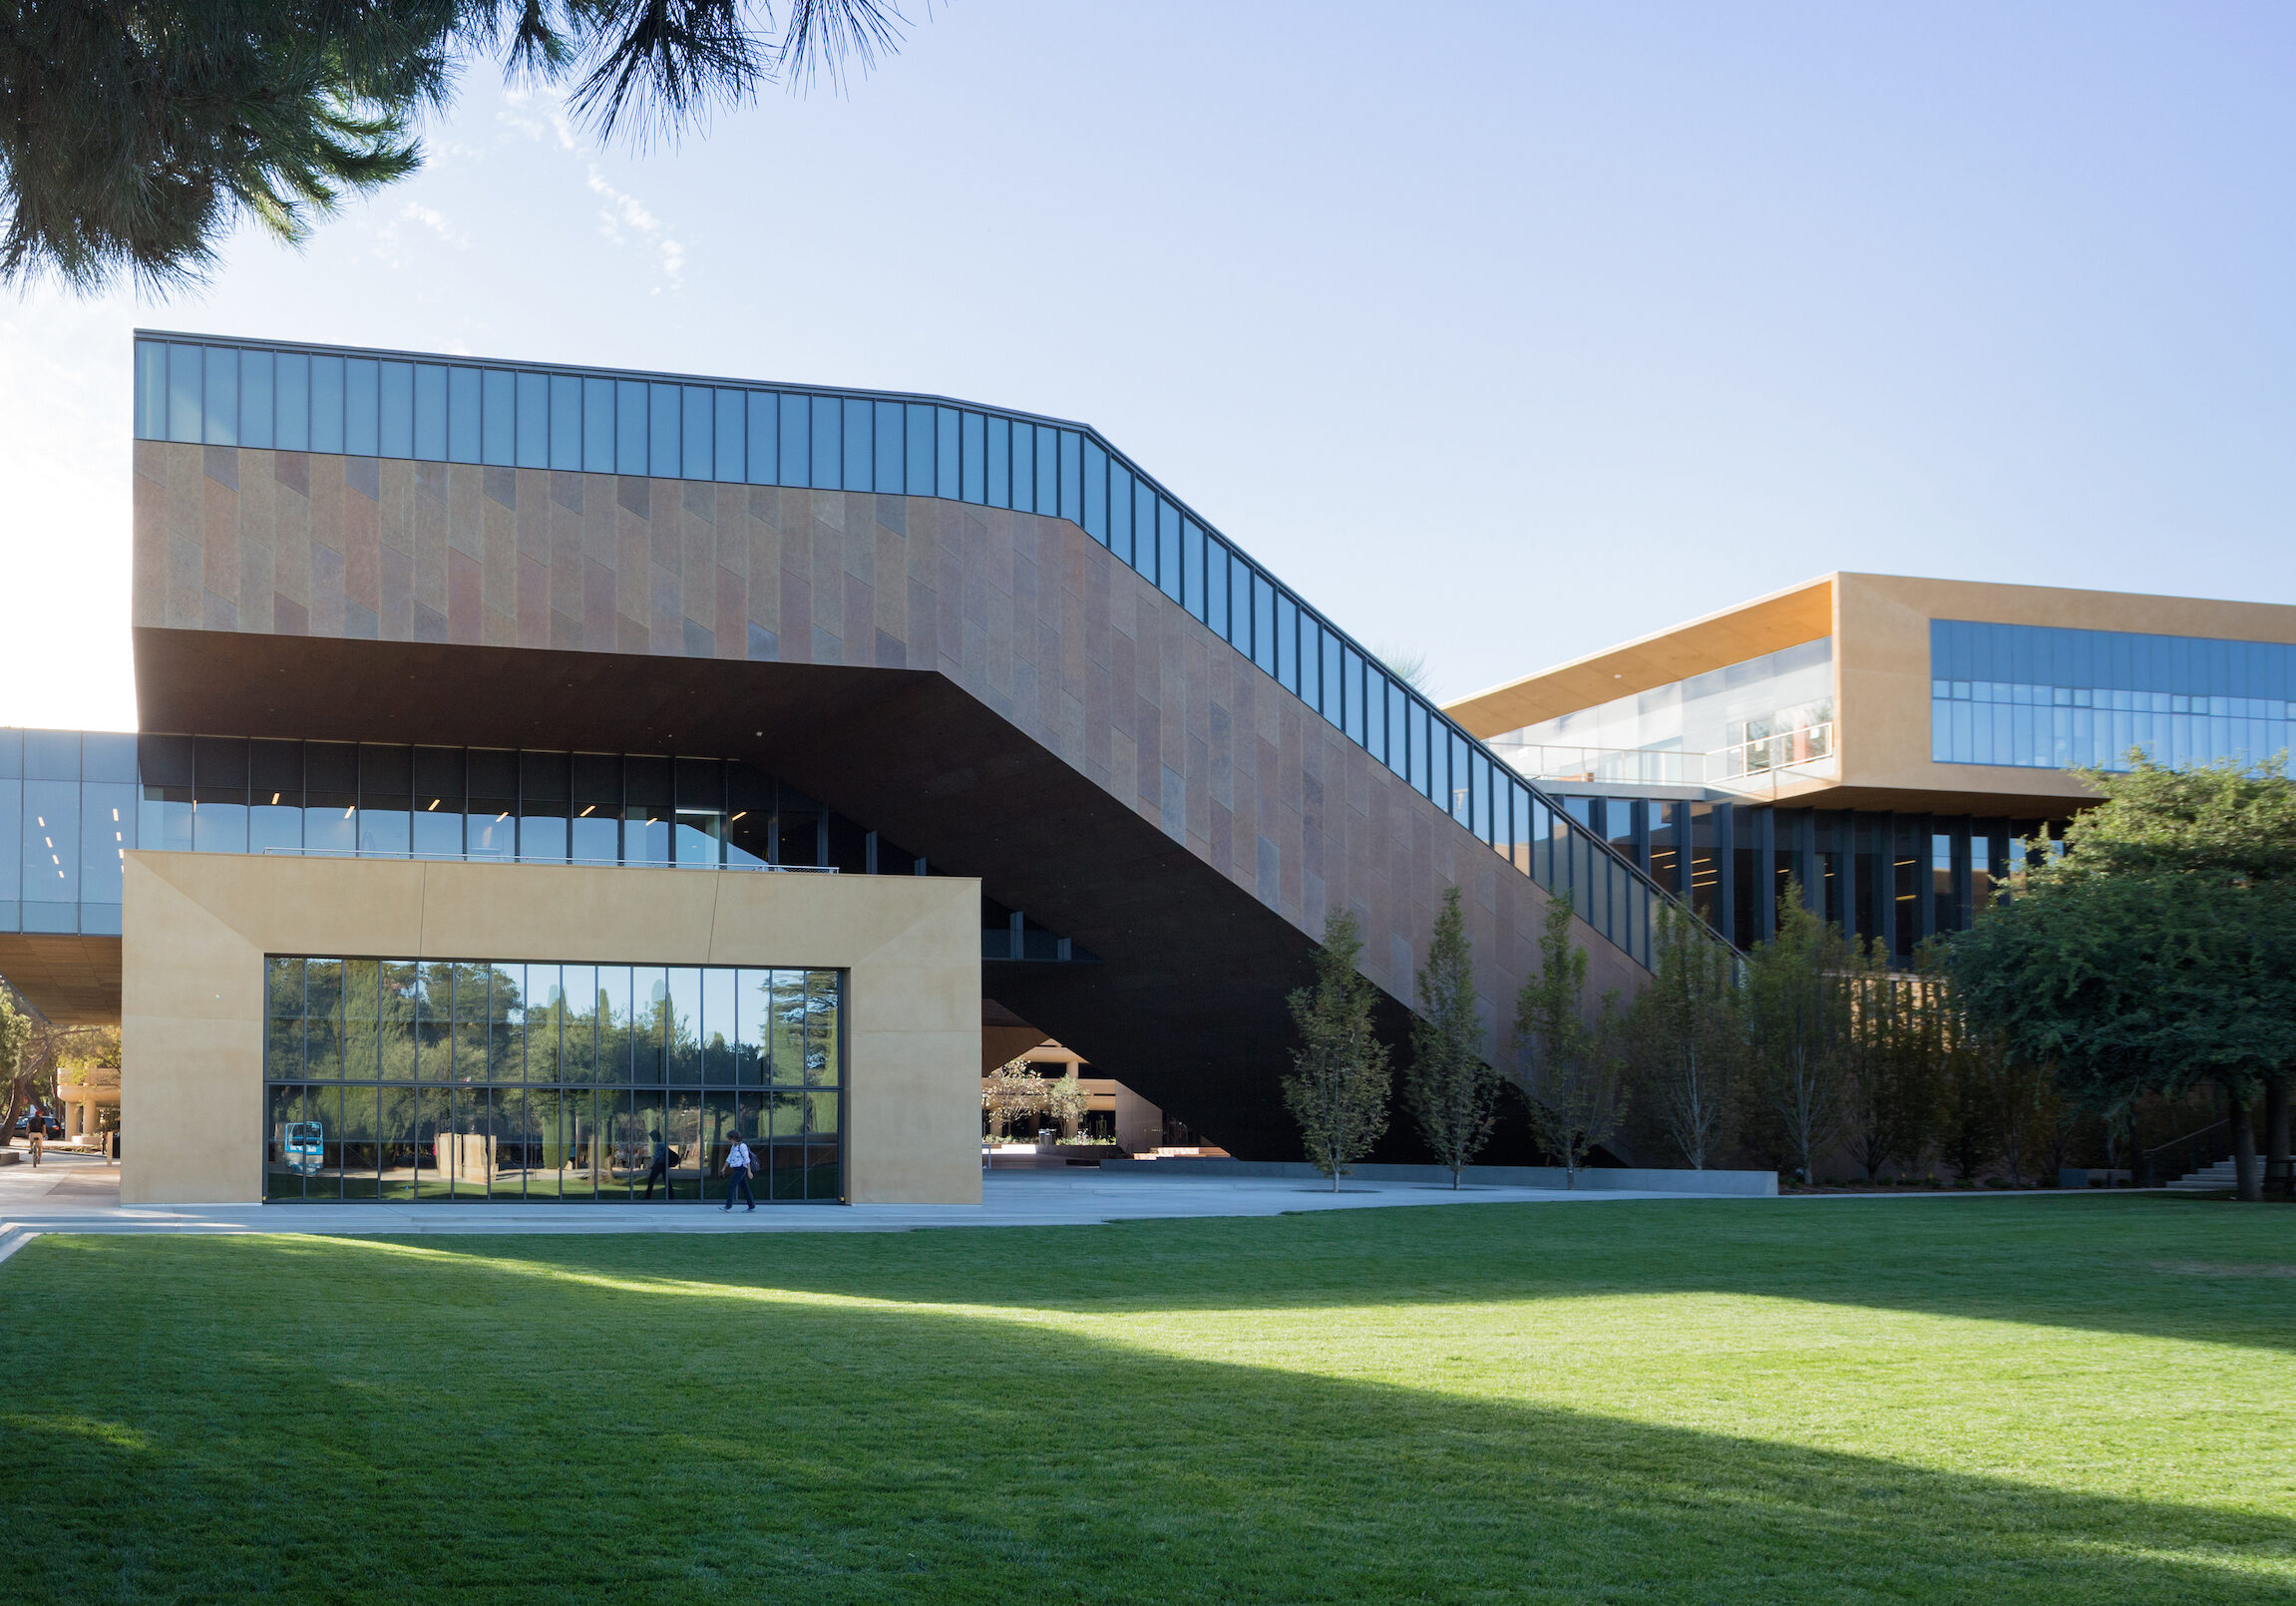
[[1065, 1102], [1798, 992], [1452, 1093], [1011, 1090], [1567, 1071], [1897, 1060], [19, 1072], [1338, 1090], [1684, 1036]]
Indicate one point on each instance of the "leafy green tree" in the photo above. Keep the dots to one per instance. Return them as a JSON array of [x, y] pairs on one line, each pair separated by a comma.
[[1799, 991], [1971, 1136], [1011, 1090], [18, 1071], [1452, 1093], [1684, 1037], [1566, 1071], [136, 134], [1899, 1045], [1338, 1090], [1065, 1102], [2158, 951]]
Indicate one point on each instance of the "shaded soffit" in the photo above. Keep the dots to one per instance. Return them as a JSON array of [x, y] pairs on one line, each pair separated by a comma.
[[1767, 624], [72, 980]]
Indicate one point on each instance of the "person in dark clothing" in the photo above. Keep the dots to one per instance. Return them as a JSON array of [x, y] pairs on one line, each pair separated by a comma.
[[661, 1169], [739, 1162]]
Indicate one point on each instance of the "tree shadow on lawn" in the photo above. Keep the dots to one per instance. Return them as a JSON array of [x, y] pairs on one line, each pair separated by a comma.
[[348, 1420], [2147, 1267]]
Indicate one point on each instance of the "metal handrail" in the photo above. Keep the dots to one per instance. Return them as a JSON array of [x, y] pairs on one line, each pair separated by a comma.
[[2145, 1156], [1651, 766]]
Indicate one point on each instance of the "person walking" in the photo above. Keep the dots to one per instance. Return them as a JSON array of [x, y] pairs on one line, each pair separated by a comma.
[[36, 1133], [739, 1162], [659, 1169]]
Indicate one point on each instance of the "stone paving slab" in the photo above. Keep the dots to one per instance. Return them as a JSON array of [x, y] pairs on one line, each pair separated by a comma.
[[1010, 1199]]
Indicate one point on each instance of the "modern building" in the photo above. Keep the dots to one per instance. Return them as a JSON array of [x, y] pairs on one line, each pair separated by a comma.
[[1888, 744], [547, 774]]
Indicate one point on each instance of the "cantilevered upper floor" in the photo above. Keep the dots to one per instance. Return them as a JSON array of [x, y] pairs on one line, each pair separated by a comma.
[[1873, 691]]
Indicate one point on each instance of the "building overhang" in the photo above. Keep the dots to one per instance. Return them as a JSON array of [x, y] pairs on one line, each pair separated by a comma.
[[1767, 624]]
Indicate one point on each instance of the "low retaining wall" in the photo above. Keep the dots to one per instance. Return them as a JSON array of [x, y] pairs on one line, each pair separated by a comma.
[[1604, 1179]]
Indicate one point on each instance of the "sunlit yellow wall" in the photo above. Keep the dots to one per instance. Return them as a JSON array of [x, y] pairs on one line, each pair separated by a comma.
[[195, 928]]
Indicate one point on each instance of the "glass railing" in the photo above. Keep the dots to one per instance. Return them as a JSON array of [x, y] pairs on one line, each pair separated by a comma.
[[278, 396]]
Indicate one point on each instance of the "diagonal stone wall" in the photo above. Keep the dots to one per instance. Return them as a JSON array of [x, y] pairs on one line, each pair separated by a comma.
[[1127, 719]]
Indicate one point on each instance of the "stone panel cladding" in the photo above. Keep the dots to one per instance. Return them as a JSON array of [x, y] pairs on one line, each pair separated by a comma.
[[1026, 612]]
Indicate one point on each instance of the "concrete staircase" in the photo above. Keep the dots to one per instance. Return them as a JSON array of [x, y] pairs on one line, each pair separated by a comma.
[[2222, 1177]]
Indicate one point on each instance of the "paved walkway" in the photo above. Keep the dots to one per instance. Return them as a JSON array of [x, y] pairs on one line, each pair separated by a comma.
[[82, 1196]]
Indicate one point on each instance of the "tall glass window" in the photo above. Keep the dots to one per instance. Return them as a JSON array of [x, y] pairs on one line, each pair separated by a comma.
[[478, 1080], [2040, 697]]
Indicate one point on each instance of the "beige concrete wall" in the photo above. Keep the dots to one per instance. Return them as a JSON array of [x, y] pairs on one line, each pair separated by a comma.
[[196, 928], [1882, 680]]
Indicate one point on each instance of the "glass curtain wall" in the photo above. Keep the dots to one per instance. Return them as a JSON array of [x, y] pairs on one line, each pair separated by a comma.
[[2037, 697], [67, 820], [405, 405], [407, 1079], [1897, 879]]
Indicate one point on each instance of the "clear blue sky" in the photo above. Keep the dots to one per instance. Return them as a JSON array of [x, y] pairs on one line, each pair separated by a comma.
[[1504, 332]]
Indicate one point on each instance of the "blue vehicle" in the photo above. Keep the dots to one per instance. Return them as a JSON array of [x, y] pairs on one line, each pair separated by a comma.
[[305, 1146]]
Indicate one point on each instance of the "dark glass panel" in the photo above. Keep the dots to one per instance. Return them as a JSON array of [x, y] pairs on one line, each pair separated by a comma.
[[430, 411], [465, 417], [1023, 467], [890, 458], [256, 399], [730, 448], [786, 1031], [363, 428], [320, 1150], [581, 1007], [948, 455], [764, 464], [999, 463], [753, 1004], [395, 410], [698, 459], [796, 439], [1096, 492], [532, 413], [293, 408], [186, 409], [499, 417], [1168, 568], [858, 473], [598, 421], [717, 1028], [630, 424], [919, 479], [681, 1025], [975, 454], [151, 390], [663, 432], [222, 407], [1120, 511], [652, 1159], [827, 443]]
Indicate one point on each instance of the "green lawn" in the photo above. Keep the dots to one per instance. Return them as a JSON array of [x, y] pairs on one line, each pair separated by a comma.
[[1987, 1399]]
